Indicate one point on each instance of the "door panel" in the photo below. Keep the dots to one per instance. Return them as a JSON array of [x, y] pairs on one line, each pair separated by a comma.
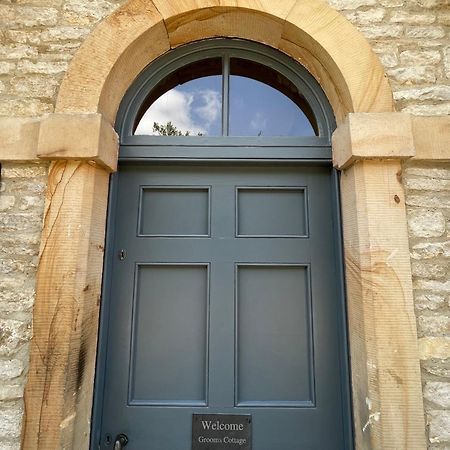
[[170, 315], [271, 212], [227, 302], [273, 341]]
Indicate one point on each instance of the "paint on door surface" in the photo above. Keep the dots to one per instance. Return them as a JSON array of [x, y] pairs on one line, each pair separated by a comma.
[[225, 298]]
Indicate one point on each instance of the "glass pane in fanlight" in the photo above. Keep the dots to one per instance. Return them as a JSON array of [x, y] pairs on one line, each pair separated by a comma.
[[186, 103], [265, 103]]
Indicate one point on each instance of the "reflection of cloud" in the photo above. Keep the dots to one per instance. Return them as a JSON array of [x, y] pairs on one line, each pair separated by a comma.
[[211, 107], [188, 111], [259, 122]]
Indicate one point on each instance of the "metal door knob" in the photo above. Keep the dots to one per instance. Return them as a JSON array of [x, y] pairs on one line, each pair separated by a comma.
[[120, 442]]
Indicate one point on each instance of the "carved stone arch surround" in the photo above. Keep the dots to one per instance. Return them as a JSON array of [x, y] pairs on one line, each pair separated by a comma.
[[368, 147]]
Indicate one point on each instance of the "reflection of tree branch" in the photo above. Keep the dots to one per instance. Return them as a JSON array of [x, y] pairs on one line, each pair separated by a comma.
[[170, 130]]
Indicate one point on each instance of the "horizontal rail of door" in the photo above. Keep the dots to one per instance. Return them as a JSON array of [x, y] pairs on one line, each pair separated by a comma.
[[219, 153], [225, 141]]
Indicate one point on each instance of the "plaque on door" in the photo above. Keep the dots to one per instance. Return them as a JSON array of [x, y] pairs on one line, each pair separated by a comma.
[[221, 432]]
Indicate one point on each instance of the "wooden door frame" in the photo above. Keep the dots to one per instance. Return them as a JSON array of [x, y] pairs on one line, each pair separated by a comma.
[[368, 147]]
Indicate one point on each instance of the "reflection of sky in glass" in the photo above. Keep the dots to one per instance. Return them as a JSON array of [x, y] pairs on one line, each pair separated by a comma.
[[195, 106], [258, 109]]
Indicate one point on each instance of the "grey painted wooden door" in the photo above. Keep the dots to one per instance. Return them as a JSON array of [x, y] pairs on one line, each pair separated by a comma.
[[225, 299]]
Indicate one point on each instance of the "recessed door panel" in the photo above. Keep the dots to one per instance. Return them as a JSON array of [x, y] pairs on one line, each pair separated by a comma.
[[274, 354], [170, 316], [174, 211], [271, 211]]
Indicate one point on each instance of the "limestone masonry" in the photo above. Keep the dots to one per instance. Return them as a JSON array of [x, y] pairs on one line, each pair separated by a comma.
[[412, 39]]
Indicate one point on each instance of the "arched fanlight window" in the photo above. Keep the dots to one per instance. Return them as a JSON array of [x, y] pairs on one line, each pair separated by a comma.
[[225, 88]]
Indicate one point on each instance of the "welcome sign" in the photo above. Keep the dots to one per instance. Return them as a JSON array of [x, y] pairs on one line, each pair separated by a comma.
[[221, 431]]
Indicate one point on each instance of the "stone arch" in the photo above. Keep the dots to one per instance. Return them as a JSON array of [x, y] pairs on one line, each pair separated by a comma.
[[387, 398], [309, 31]]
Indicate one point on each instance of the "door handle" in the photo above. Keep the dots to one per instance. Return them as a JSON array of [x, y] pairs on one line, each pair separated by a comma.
[[121, 441]]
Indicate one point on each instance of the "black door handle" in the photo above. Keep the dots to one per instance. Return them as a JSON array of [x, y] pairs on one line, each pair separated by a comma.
[[121, 441]]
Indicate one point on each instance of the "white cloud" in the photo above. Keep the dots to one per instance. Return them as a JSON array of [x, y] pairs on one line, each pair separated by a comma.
[[211, 107], [188, 111]]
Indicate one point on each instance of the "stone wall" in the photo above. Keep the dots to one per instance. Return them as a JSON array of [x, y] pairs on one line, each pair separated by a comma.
[[37, 40], [22, 190], [39, 37], [428, 199]]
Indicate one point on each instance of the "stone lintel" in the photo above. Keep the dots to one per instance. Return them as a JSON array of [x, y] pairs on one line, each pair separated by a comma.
[[78, 137], [373, 136], [432, 138], [18, 138]]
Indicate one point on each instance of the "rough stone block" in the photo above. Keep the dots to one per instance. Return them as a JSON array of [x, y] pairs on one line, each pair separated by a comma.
[[440, 172], [351, 4], [436, 325], [420, 57], [431, 32], [433, 285], [434, 347], [382, 31], [10, 445], [368, 17], [21, 170], [438, 393], [11, 368], [436, 367], [447, 61], [7, 67], [41, 67], [64, 33], [32, 16], [429, 3], [13, 334], [10, 392], [7, 202], [430, 301], [18, 51], [425, 269], [79, 12], [24, 37], [388, 59], [428, 109], [426, 223], [413, 75], [427, 184], [444, 17], [428, 200], [413, 18], [34, 86], [24, 107], [439, 426], [11, 421], [392, 3]]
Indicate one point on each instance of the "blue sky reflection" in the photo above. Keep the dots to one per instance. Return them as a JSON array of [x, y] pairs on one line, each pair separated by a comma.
[[257, 109], [195, 106]]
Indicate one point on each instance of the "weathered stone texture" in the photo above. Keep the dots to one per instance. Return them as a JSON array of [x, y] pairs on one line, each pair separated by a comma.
[[21, 207], [428, 199], [40, 37], [411, 39]]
